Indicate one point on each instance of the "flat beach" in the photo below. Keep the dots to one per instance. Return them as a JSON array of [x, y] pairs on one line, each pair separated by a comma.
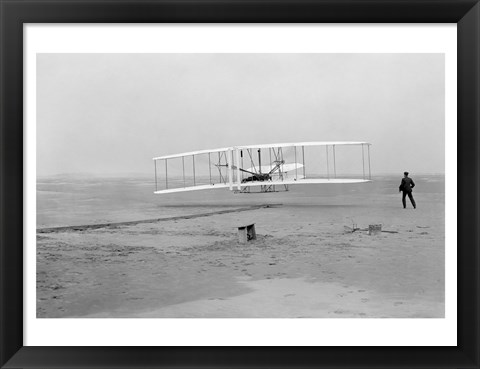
[[111, 248]]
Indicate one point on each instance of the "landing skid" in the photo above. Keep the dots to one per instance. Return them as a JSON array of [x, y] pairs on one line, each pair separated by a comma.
[[263, 189]]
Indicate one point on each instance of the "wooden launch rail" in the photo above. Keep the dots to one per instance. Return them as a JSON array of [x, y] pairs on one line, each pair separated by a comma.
[[135, 222]]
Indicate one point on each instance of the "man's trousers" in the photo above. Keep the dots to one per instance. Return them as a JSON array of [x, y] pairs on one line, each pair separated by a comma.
[[409, 193]]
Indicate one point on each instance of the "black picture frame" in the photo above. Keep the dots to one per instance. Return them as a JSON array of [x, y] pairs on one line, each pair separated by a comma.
[[15, 13]]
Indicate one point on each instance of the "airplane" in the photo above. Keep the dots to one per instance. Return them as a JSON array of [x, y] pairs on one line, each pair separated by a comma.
[[239, 169]]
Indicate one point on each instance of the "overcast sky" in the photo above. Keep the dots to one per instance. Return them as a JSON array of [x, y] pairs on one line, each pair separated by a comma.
[[111, 113]]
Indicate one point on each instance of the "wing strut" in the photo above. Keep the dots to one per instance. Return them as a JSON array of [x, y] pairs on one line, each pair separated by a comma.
[[334, 164], [259, 162], [193, 161], [237, 158], [241, 156], [183, 168], [270, 155], [219, 169], [210, 168], [296, 165], [230, 169], [328, 168], [369, 173], [363, 162], [303, 161], [166, 174], [156, 186]]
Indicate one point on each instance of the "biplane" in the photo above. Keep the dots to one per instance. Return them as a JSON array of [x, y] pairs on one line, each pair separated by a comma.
[[269, 168]]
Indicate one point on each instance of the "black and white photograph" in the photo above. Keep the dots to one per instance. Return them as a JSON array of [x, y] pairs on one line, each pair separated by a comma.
[[240, 185]]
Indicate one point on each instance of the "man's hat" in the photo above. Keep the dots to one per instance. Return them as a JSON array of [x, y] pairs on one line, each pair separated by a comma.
[[406, 173]]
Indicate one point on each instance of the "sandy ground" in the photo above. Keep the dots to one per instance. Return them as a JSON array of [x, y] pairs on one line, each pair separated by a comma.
[[303, 264]]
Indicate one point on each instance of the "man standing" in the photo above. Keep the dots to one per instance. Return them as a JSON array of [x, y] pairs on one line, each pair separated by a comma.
[[406, 187]]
